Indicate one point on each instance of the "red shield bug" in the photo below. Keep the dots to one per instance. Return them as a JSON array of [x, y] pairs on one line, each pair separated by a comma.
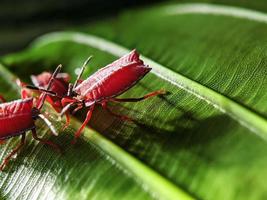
[[59, 87], [17, 117], [105, 85]]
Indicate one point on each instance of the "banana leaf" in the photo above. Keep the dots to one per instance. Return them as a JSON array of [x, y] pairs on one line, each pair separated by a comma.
[[206, 139]]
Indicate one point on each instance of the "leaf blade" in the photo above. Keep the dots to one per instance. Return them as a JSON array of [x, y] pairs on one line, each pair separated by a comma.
[[155, 184], [183, 137], [244, 116]]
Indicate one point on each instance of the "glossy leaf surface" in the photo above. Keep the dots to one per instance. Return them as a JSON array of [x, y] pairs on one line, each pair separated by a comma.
[[206, 139]]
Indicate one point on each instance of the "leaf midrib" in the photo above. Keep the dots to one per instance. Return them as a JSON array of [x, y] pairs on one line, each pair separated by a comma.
[[206, 9], [149, 179], [247, 118]]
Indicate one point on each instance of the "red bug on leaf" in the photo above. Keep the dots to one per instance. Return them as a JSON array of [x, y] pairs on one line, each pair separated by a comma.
[[59, 87], [17, 117], [105, 85]]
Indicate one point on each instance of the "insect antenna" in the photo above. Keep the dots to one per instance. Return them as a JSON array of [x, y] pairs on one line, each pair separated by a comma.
[[70, 88], [51, 80], [81, 71], [49, 124], [41, 89]]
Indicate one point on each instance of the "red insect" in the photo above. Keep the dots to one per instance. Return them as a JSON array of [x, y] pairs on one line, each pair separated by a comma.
[[59, 87], [17, 117], [105, 85]]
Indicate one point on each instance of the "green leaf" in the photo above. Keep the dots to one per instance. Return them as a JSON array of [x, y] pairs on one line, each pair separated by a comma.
[[87, 171], [205, 140]]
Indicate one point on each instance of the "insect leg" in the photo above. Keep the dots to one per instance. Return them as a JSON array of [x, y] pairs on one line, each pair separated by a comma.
[[79, 107], [53, 145], [122, 117], [67, 115], [66, 108], [43, 96], [58, 107], [41, 90], [19, 146], [152, 94], [87, 119], [49, 124]]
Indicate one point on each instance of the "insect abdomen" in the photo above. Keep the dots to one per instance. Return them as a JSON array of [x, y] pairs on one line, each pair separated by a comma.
[[15, 117], [114, 79], [118, 82]]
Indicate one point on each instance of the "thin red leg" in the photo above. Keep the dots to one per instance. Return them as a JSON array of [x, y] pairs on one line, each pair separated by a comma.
[[53, 145], [122, 117], [87, 119], [7, 159], [67, 115], [65, 101], [152, 94], [79, 107], [56, 105], [2, 99], [126, 118]]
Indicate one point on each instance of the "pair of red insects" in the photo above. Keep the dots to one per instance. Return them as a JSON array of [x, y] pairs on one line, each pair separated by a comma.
[[103, 86]]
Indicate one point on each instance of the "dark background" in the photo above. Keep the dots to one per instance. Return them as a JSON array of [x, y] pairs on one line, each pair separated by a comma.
[[21, 21]]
